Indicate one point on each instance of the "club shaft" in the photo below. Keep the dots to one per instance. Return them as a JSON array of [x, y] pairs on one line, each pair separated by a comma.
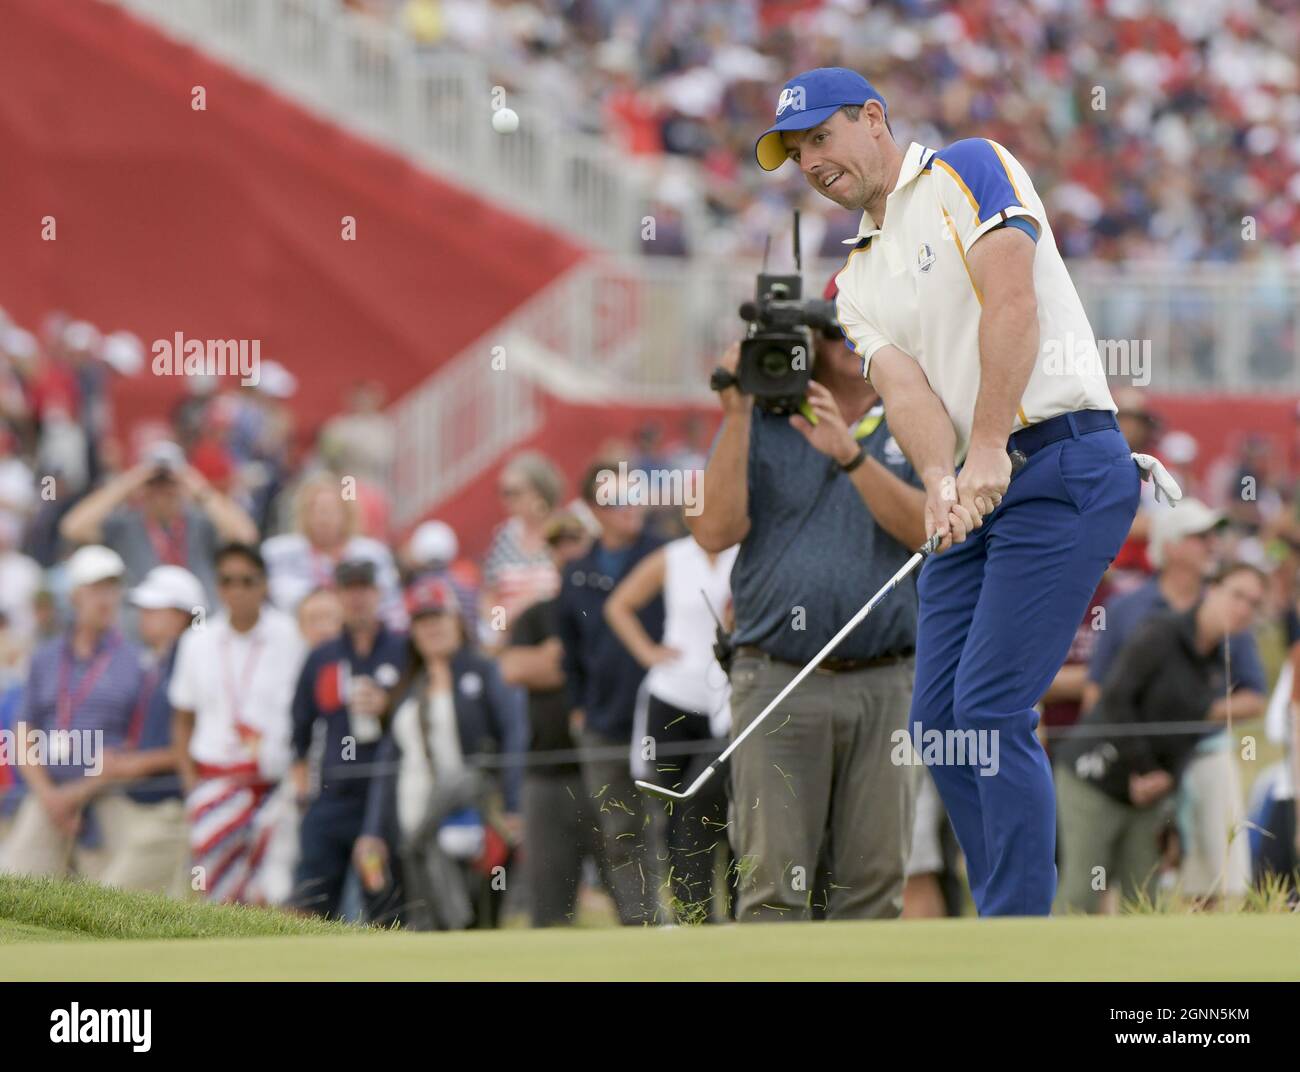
[[931, 545], [831, 645]]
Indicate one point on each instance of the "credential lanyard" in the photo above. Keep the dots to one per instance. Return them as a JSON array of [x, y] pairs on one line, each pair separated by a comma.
[[246, 676], [170, 543], [67, 701]]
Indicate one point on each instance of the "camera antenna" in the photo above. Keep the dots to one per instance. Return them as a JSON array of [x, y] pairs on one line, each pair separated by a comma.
[[798, 259], [767, 249]]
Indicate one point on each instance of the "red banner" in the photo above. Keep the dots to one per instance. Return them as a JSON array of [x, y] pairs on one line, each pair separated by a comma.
[[228, 222]]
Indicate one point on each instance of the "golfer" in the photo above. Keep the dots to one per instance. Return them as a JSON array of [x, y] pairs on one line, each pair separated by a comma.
[[959, 305]]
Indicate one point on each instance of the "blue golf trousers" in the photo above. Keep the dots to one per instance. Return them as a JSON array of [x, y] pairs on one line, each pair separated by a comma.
[[997, 615]]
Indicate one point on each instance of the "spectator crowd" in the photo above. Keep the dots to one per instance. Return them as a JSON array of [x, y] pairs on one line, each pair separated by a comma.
[[1155, 128], [221, 676], [225, 675]]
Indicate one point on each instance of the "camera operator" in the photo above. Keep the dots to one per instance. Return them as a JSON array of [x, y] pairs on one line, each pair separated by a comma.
[[824, 513]]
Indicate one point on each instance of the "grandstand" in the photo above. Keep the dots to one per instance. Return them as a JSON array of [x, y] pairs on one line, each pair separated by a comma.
[[320, 109]]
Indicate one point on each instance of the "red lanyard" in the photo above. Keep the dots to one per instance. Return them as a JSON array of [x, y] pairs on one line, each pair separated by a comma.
[[66, 701], [141, 712], [171, 547], [246, 677]]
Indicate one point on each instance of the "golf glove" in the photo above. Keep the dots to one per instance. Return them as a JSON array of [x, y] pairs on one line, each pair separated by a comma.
[[1151, 468]]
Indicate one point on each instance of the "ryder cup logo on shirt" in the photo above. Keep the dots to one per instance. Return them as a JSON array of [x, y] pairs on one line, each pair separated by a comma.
[[792, 97], [471, 685], [925, 257]]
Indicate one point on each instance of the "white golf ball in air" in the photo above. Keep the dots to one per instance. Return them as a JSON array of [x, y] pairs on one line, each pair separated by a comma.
[[505, 120]]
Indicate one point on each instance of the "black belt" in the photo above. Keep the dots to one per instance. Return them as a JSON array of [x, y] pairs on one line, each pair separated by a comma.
[[1063, 426], [832, 664]]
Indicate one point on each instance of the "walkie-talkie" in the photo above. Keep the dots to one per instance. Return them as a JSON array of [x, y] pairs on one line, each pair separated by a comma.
[[723, 649]]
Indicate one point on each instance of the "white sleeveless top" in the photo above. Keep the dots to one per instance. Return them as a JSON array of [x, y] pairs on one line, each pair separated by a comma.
[[416, 778], [693, 682]]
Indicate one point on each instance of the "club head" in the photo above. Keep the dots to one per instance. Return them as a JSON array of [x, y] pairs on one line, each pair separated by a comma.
[[660, 791]]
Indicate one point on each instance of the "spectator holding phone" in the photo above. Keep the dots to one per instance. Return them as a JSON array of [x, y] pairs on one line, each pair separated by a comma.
[[161, 512]]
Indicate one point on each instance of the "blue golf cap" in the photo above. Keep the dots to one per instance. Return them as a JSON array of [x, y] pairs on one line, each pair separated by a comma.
[[808, 99]]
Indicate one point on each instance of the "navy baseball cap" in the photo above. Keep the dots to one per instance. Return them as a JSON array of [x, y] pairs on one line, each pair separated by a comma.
[[808, 99]]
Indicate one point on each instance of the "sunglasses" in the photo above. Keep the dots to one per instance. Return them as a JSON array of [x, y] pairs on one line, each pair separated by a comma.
[[243, 580]]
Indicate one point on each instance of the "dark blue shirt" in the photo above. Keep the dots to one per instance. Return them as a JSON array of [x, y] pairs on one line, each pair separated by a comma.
[[320, 711], [603, 677], [151, 728], [1162, 676], [1127, 612], [814, 553]]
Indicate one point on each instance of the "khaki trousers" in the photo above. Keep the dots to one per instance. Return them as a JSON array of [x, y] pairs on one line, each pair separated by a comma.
[[817, 785], [1099, 832], [1216, 853], [142, 846]]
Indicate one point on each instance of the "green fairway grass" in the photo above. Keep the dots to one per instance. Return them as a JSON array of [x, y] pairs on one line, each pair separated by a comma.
[[71, 909], [74, 931], [1156, 948]]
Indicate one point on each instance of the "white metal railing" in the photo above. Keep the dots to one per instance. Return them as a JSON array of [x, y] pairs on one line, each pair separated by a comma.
[[1224, 327], [434, 106], [654, 327], [455, 425], [642, 330]]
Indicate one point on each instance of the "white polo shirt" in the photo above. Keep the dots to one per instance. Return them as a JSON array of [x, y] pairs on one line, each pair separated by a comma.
[[240, 687], [908, 284]]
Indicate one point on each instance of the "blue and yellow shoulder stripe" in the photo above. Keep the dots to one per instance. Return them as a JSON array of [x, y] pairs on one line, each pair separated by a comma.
[[982, 174]]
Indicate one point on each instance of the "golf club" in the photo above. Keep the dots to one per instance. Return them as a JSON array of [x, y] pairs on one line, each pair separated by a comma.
[[926, 549]]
